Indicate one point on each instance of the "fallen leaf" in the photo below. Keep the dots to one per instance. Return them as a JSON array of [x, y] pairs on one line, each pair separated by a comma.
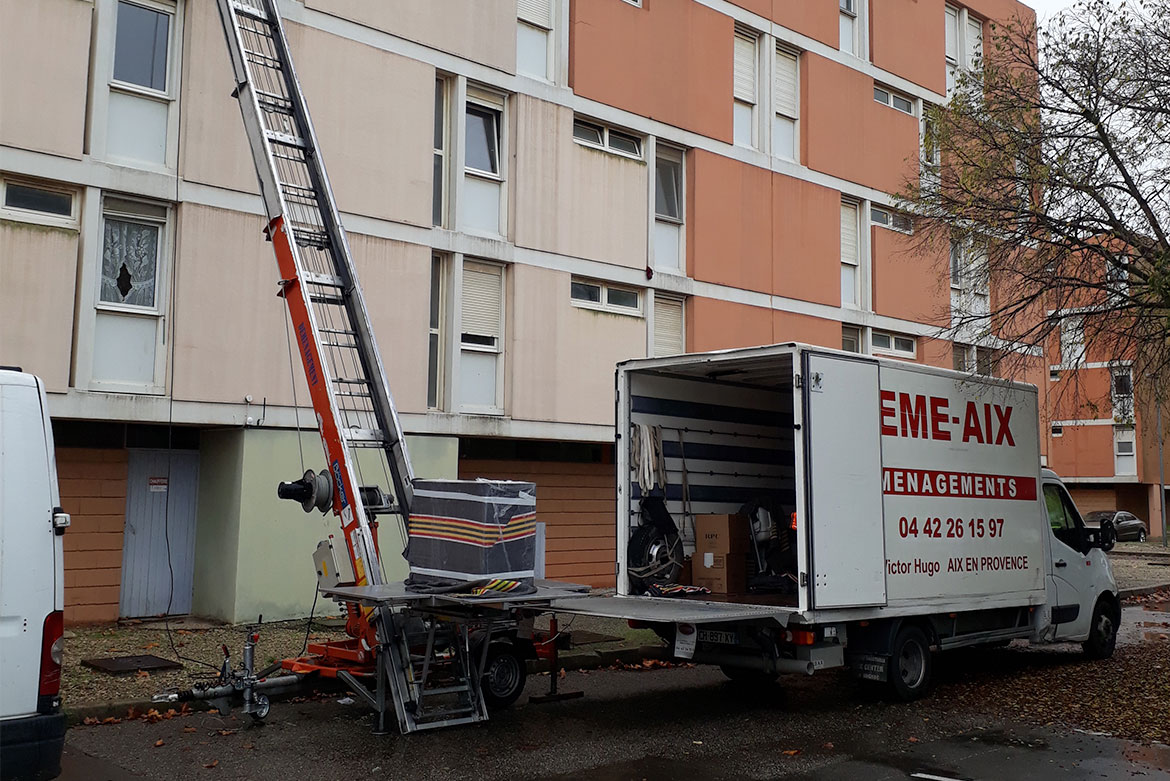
[[827, 745], [112, 719], [143, 674], [189, 729], [248, 745], [791, 752], [90, 720], [562, 673], [913, 740], [158, 743], [211, 764], [170, 714], [226, 732], [148, 646]]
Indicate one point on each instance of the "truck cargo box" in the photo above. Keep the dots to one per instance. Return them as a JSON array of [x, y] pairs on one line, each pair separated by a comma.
[[890, 487]]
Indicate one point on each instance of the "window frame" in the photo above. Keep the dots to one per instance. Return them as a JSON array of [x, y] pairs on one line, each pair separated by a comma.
[[777, 113], [439, 264], [162, 256], [890, 95], [603, 304], [171, 10], [962, 60], [669, 300], [858, 301], [890, 218], [605, 132], [443, 101], [34, 216], [859, 340], [548, 27], [893, 349], [497, 408], [743, 33], [498, 112]]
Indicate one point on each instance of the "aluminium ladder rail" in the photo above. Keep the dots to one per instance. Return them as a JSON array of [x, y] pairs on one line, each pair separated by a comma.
[[346, 378], [331, 325]]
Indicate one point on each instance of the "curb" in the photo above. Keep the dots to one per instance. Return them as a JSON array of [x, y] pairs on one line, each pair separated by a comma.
[[1142, 591], [1136, 554], [76, 714]]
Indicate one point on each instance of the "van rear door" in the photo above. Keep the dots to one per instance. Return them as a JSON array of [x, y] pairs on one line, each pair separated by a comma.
[[842, 447]]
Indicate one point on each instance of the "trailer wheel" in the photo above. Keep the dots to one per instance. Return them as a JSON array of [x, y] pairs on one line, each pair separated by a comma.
[[909, 668], [654, 557], [1102, 631], [748, 677], [504, 674]]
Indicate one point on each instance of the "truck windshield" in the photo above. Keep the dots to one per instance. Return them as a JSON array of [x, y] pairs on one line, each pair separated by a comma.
[[1058, 517]]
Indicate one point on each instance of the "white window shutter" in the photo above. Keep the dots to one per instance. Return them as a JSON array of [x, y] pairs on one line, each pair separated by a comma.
[[668, 327], [537, 12], [849, 234], [786, 84], [952, 34], [481, 300], [974, 41], [745, 68]]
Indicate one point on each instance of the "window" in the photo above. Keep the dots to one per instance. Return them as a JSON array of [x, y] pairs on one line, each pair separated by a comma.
[[964, 43], [1058, 516], [851, 339], [439, 182], [435, 333], [893, 344], [602, 137], [1124, 451], [1125, 447], [1057, 430], [38, 203], [669, 330], [480, 339], [970, 296], [128, 334], [787, 104], [1121, 391], [931, 162], [668, 209], [534, 38], [482, 200], [892, 220], [1122, 384], [140, 46], [745, 96], [850, 257], [601, 295], [139, 119], [973, 359], [848, 26], [893, 99], [1072, 341]]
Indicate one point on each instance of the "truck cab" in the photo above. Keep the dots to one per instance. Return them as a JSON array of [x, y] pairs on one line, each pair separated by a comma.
[[1082, 602], [32, 726]]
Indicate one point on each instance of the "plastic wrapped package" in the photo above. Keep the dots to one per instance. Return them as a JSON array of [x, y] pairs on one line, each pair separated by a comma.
[[463, 531]]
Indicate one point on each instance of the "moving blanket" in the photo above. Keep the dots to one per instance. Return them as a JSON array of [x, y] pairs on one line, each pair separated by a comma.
[[463, 531]]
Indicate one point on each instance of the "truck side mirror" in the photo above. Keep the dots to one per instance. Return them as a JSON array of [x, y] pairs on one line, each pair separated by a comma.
[[1104, 537]]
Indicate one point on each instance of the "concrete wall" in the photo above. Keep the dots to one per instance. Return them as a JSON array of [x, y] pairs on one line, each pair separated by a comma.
[[253, 551], [906, 284], [45, 43], [894, 22], [38, 273]]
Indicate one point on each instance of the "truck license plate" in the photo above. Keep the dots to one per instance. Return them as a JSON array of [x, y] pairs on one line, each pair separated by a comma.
[[717, 636]]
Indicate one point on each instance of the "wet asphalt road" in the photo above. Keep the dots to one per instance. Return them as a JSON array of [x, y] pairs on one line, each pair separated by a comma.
[[651, 725]]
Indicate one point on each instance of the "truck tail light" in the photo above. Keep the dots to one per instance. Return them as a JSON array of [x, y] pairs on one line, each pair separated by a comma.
[[801, 637], [52, 653]]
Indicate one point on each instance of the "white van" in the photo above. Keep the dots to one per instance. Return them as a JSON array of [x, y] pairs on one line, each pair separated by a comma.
[[32, 581]]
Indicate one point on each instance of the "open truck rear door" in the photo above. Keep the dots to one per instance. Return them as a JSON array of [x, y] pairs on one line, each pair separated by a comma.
[[842, 446]]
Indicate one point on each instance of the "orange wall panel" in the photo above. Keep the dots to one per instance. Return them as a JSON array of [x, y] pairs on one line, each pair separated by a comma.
[[846, 133], [669, 60], [905, 284], [1082, 451], [806, 241], [718, 325], [792, 327], [92, 483], [728, 222], [895, 23]]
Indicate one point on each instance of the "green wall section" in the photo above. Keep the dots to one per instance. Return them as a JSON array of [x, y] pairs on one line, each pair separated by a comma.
[[254, 552]]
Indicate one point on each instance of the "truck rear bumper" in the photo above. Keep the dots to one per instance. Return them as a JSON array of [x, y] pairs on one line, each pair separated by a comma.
[[32, 746]]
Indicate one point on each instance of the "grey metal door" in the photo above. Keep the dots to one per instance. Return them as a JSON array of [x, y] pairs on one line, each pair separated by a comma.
[[160, 507]]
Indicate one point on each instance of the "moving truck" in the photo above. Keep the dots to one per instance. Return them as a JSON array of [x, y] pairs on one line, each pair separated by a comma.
[[32, 726], [890, 510]]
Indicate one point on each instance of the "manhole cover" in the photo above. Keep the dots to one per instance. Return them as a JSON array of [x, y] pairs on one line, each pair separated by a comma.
[[124, 665]]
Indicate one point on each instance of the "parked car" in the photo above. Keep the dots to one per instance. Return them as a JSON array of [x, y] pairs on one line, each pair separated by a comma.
[[1128, 525], [32, 726]]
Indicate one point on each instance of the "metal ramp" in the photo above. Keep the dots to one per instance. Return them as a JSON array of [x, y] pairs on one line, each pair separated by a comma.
[[343, 368]]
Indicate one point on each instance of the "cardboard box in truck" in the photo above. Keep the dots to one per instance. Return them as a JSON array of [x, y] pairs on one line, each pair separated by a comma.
[[893, 503], [720, 559]]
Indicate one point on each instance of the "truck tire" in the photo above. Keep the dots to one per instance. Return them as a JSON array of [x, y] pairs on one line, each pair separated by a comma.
[[747, 677], [654, 558], [1102, 631], [908, 673], [504, 674]]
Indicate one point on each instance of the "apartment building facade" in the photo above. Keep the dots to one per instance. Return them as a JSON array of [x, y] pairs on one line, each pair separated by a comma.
[[534, 190]]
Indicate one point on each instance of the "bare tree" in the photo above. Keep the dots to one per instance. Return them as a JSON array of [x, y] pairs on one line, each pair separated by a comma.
[[1047, 175]]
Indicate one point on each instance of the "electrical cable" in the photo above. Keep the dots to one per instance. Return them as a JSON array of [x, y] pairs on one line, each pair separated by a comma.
[[309, 623]]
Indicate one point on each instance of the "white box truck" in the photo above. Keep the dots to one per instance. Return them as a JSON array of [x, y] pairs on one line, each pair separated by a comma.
[[892, 509], [32, 726]]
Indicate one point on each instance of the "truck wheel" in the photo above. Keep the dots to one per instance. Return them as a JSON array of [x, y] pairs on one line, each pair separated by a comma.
[[908, 673], [504, 674], [746, 676], [1102, 632]]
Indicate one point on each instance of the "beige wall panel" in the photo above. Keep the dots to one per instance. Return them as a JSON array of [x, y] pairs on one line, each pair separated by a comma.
[[561, 357], [45, 43], [395, 279], [479, 30], [214, 149], [38, 272], [574, 199]]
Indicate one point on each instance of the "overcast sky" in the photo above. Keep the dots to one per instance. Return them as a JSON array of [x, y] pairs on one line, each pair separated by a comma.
[[1045, 8]]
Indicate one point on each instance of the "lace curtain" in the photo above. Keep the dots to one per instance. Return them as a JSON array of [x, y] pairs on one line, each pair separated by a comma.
[[129, 263]]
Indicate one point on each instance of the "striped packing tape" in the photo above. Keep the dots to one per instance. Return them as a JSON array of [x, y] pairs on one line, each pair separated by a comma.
[[461, 530], [496, 585]]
